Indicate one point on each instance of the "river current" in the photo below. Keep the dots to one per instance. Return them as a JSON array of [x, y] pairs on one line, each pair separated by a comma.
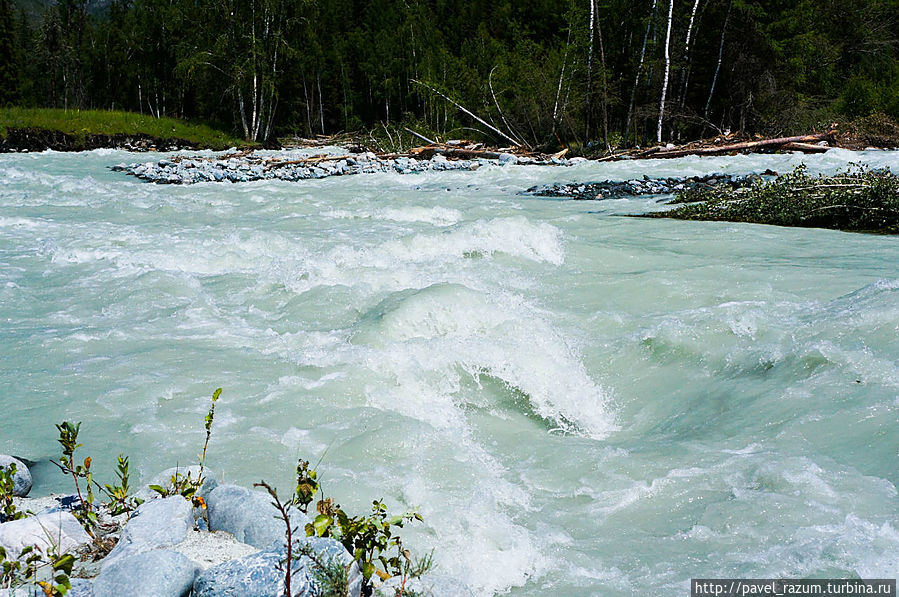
[[577, 402]]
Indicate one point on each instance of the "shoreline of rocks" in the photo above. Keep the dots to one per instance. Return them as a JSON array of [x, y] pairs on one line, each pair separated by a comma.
[[609, 189], [169, 547], [247, 168]]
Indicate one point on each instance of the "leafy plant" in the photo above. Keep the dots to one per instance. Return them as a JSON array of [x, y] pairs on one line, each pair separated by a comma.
[[370, 539], [85, 512], [188, 486], [120, 502], [29, 567], [208, 424], [307, 486], [7, 485], [283, 510], [331, 575]]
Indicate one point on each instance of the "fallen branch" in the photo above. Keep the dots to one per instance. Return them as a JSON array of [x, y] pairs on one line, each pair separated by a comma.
[[312, 160], [805, 147], [461, 107], [422, 137]]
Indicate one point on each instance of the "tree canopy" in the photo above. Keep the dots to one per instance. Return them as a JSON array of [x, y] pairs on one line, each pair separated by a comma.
[[543, 71]]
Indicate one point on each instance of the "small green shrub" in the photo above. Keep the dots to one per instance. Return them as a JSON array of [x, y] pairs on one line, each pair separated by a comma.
[[7, 485], [120, 500], [85, 512], [859, 199], [32, 565]]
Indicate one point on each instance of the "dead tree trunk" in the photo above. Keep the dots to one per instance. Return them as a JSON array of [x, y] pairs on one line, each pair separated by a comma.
[[630, 108]]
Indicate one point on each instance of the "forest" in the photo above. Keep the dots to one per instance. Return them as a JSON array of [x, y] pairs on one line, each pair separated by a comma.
[[539, 73]]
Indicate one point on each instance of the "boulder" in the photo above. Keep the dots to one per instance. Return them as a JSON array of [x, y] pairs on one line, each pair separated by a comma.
[[249, 516], [58, 530], [255, 575], [158, 573], [22, 478], [426, 586], [155, 524]]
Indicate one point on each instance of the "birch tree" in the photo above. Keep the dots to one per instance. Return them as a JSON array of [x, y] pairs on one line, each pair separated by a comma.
[[667, 71]]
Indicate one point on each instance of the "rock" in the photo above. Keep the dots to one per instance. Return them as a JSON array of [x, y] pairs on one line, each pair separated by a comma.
[[249, 516], [211, 549], [256, 575], [22, 478], [81, 587], [426, 586], [326, 550], [158, 573], [155, 524], [507, 158], [59, 530]]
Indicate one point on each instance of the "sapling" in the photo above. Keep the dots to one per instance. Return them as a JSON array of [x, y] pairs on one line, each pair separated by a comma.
[[8, 510], [68, 439], [284, 515]]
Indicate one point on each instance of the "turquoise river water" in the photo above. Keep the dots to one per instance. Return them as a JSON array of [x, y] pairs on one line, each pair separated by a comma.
[[579, 403]]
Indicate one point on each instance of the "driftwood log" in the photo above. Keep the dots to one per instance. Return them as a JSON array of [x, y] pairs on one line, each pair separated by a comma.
[[800, 143]]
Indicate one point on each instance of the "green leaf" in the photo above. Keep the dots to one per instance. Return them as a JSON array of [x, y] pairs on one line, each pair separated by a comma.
[[367, 570], [322, 523]]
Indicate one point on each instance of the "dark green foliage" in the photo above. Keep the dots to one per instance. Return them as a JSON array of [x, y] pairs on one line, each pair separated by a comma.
[[530, 68], [858, 200], [7, 485], [307, 486], [120, 500], [85, 512], [370, 539], [28, 568]]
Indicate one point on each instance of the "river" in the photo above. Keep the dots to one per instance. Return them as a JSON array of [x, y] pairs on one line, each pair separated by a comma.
[[577, 402]]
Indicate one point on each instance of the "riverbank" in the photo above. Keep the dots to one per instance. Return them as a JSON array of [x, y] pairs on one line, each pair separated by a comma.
[[855, 200], [39, 129]]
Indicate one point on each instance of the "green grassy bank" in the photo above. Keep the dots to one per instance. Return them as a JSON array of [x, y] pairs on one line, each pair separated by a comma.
[[82, 124]]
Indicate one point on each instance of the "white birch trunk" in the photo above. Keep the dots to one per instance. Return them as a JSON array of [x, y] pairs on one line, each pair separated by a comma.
[[667, 72]]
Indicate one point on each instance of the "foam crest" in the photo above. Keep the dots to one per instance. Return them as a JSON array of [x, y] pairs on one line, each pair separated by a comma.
[[423, 338]]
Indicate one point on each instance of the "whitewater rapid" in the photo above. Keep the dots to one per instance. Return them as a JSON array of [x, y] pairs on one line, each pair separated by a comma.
[[577, 401]]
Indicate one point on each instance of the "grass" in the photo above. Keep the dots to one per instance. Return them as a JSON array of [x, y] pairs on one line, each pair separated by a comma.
[[80, 123], [857, 200]]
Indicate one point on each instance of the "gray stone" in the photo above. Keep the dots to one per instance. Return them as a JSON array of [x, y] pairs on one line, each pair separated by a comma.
[[155, 524], [255, 575], [327, 550], [158, 573], [22, 478], [507, 158], [426, 586], [249, 516], [59, 530], [81, 587]]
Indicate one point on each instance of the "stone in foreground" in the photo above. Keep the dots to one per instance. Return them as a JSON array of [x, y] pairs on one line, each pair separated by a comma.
[[58, 530], [155, 524], [249, 516], [159, 573], [256, 575], [22, 478]]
